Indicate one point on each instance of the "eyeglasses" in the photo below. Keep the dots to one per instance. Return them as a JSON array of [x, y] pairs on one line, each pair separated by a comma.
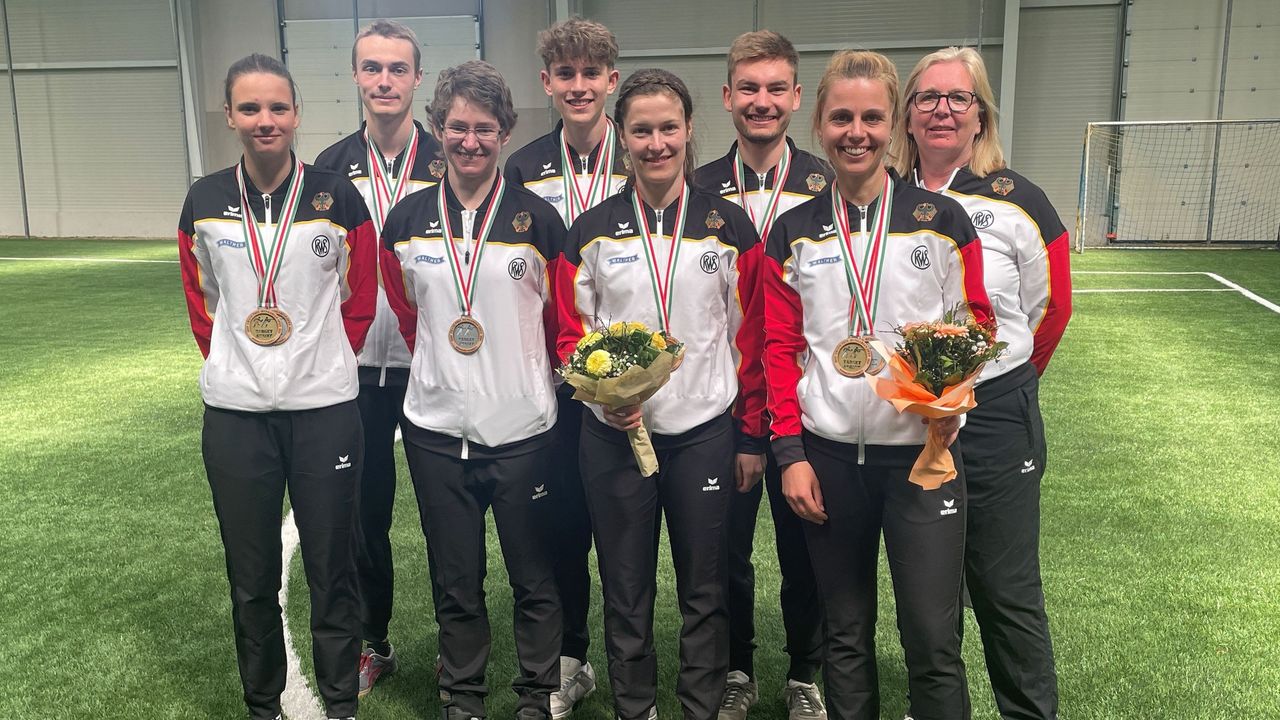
[[482, 132], [958, 100]]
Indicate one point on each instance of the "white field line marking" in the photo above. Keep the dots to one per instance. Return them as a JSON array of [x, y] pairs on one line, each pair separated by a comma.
[[1150, 290], [90, 259], [1213, 276], [297, 702]]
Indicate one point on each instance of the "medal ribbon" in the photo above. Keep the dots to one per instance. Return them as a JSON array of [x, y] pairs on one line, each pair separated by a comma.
[[765, 220], [597, 187], [864, 285], [465, 284], [266, 262], [662, 288], [385, 193]]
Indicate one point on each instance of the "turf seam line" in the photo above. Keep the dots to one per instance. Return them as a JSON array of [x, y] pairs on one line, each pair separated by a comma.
[[297, 702], [88, 259], [1146, 290], [1213, 276]]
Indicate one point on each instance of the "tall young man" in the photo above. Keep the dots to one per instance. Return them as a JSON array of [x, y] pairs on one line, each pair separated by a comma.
[[574, 167], [767, 175], [390, 157]]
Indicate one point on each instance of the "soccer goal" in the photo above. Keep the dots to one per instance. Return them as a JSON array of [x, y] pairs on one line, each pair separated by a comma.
[[1179, 183]]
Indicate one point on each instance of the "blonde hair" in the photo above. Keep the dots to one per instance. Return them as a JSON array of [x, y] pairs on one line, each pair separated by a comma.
[[858, 65], [391, 30], [763, 45], [988, 156], [578, 39]]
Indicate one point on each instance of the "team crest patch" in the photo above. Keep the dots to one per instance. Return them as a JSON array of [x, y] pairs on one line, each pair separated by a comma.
[[322, 201], [1002, 185], [816, 182], [626, 162], [924, 212], [436, 168], [522, 221], [714, 221]]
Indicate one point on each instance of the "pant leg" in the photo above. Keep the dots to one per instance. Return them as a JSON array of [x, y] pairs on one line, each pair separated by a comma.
[[381, 410], [324, 477], [845, 551], [624, 512], [695, 485], [1004, 457], [573, 535], [451, 506], [526, 534], [740, 580], [801, 604], [245, 466], [924, 540]]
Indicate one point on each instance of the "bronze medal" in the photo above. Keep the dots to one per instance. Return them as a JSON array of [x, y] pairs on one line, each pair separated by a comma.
[[466, 335], [264, 327], [877, 362], [852, 357]]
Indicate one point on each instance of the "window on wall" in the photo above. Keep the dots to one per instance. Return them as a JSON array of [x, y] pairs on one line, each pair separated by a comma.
[[317, 39]]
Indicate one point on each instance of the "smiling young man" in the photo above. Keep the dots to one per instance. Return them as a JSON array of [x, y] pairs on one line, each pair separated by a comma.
[[574, 167], [390, 157], [766, 174]]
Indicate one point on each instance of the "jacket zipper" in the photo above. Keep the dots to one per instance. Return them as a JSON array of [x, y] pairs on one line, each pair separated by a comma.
[[862, 422], [468, 227], [384, 343]]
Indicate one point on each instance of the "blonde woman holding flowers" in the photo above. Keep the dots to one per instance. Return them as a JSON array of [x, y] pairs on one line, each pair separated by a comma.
[[677, 259], [841, 271], [950, 145]]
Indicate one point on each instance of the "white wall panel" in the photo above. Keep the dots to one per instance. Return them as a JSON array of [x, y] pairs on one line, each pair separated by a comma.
[[87, 31]]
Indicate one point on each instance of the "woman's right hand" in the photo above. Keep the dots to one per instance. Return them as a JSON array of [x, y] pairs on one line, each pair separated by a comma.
[[803, 493], [624, 418]]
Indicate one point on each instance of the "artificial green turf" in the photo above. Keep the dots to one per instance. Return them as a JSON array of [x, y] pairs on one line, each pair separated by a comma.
[[1159, 510]]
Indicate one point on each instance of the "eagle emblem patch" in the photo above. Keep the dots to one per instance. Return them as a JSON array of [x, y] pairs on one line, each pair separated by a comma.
[[436, 168], [714, 221], [1002, 185], [322, 201], [522, 221], [924, 212], [816, 182]]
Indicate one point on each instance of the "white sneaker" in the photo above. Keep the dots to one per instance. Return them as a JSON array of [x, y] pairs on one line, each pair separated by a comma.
[[739, 696], [577, 680], [653, 713], [804, 701]]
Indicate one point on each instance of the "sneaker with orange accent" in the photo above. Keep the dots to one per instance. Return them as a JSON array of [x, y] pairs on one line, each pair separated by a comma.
[[374, 666]]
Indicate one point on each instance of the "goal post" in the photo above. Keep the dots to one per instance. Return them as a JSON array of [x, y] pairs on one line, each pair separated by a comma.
[[1179, 182]]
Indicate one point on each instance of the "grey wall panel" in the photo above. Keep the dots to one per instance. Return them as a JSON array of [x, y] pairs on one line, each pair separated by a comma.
[[712, 128], [227, 30], [10, 198], [1175, 52], [80, 31], [94, 165], [661, 25], [866, 23], [370, 9], [1065, 80]]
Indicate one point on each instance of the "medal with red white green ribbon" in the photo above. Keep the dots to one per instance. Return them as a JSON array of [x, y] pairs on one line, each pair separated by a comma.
[[853, 356], [662, 281], [466, 335], [268, 324], [764, 221], [575, 201], [387, 192]]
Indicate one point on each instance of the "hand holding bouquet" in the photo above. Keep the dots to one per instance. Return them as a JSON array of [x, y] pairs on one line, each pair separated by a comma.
[[931, 374], [620, 365]]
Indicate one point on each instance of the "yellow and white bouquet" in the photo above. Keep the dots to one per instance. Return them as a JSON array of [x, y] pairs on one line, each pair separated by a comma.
[[624, 364]]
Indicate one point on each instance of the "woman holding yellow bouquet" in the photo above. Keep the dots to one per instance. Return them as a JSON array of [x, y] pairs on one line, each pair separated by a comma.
[[684, 262], [840, 272]]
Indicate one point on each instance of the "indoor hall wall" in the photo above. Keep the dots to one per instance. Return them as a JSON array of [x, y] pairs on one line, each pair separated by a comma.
[[10, 192]]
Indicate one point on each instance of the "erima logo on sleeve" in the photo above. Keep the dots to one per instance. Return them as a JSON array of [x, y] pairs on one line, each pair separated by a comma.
[[827, 231], [623, 229], [232, 211], [547, 170], [344, 462], [355, 170]]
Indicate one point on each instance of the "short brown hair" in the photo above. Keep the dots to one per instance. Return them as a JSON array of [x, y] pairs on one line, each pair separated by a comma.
[[479, 82], [578, 38], [763, 45], [858, 65], [389, 29], [653, 81]]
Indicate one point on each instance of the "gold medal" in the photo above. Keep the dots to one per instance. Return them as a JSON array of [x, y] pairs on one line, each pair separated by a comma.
[[852, 357], [265, 328], [466, 335]]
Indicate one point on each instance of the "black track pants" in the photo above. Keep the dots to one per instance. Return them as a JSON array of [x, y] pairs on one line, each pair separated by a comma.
[[1004, 453], [251, 459], [453, 496], [801, 607], [692, 490], [924, 539], [381, 411], [573, 529]]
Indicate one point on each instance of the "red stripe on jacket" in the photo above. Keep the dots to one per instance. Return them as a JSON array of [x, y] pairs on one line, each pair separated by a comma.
[[1057, 310], [402, 304], [975, 290], [564, 294], [197, 307], [361, 281], [783, 343], [752, 392]]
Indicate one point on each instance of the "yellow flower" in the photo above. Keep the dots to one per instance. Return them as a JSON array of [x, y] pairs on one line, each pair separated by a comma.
[[622, 328], [588, 339], [658, 341], [599, 363]]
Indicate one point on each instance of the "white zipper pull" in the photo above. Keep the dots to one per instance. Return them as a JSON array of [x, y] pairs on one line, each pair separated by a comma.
[[657, 214], [862, 210], [266, 206], [468, 223], [763, 177], [583, 158]]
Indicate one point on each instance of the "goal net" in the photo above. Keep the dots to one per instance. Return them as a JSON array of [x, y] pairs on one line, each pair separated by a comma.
[[1179, 183]]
